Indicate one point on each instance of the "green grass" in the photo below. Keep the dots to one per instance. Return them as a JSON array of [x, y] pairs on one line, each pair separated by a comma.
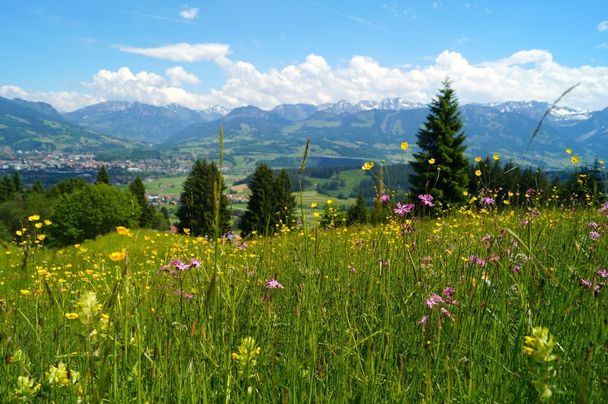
[[344, 327]]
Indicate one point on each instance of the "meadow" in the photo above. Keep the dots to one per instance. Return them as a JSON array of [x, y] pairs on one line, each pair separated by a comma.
[[482, 304]]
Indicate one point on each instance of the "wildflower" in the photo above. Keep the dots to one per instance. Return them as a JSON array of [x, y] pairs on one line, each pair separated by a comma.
[[604, 208], [403, 209], [593, 225], [385, 198], [118, 255], [329, 202], [477, 159], [516, 269], [179, 265], [424, 321], [273, 284], [58, 375], [427, 200], [71, 316], [568, 151], [602, 273], [496, 156], [433, 300], [449, 291], [431, 161], [405, 146], [41, 237], [487, 201], [313, 205], [38, 225], [25, 292], [194, 263], [585, 283], [478, 173], [48, 222], [186, 231], [88, 307], [246, 355], [33, 218], [368, 165], [26, 388], [123, 231], [594, 235], [540, 345], [445, 312], [574, 159]]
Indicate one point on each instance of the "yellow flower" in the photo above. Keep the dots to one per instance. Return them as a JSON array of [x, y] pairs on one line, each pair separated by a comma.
[[34, 218], [574, 159], [431, 161], [19, 233], [313, 205], [478, 173], [71, 316], [465, 193], [123, 231], [496, 156], [118, 255], [601, 162], [329, 201], [186, 231], [25, 292], [38, 225], [48, 222], [478, 159], [368, 165], [569, 150], [405, 146], [41, 237], [316, 214]]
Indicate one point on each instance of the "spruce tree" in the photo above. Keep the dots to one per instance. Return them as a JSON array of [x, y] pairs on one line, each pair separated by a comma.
[[357, 213], [148, 213], [196, 206], [102, 176], [261, 214], [440, 168], [284, 200]]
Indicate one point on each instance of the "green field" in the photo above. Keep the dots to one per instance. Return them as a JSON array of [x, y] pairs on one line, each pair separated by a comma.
[[430, 310]]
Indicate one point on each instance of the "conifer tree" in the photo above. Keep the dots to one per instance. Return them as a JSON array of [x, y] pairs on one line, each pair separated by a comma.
[[357, 213], [261, 214], [440, 168], [196, 206], [148, 213], [284, 200], [102, 176]]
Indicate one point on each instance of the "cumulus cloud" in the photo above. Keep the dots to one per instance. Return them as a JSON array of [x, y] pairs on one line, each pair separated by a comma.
[[524, 75], [602, 26], [178, 75], [62, 100], [182, 52], [189, 13]]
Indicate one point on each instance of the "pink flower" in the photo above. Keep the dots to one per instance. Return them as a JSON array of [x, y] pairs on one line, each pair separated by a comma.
[[594, 235], [487, 201], [273, 284], [593, 225], [449, 291], [516, 269], [194, 263], [424, 321], [602, 273], [445, 312], [585, 283], [385, 198], [352, 269], [433, 300], [604, 208], [426, 200], [403, 209]]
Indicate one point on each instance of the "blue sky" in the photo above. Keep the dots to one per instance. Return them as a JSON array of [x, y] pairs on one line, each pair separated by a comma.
[[74, 53]]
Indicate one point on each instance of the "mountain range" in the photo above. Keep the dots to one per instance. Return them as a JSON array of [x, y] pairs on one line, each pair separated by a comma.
[[342, 130]]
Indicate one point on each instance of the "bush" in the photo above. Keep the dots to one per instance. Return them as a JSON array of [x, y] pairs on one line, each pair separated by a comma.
[[93, 210]]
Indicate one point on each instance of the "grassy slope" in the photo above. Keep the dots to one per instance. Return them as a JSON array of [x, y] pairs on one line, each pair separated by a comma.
[[344, 327]]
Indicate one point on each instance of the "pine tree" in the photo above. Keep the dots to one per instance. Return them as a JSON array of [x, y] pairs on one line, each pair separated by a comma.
[[284, 200], [440, 168], [18, 184], [102, 176], [260, 215], [196, 206], [357, 213]]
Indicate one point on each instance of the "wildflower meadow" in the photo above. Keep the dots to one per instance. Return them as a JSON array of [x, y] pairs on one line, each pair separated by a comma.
[[490, 302]]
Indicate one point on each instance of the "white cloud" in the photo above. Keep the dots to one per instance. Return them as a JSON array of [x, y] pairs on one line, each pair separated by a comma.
[[178, 75], [182, 52], [189, 13], [62, 100], [602, 26], [524, 75]]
